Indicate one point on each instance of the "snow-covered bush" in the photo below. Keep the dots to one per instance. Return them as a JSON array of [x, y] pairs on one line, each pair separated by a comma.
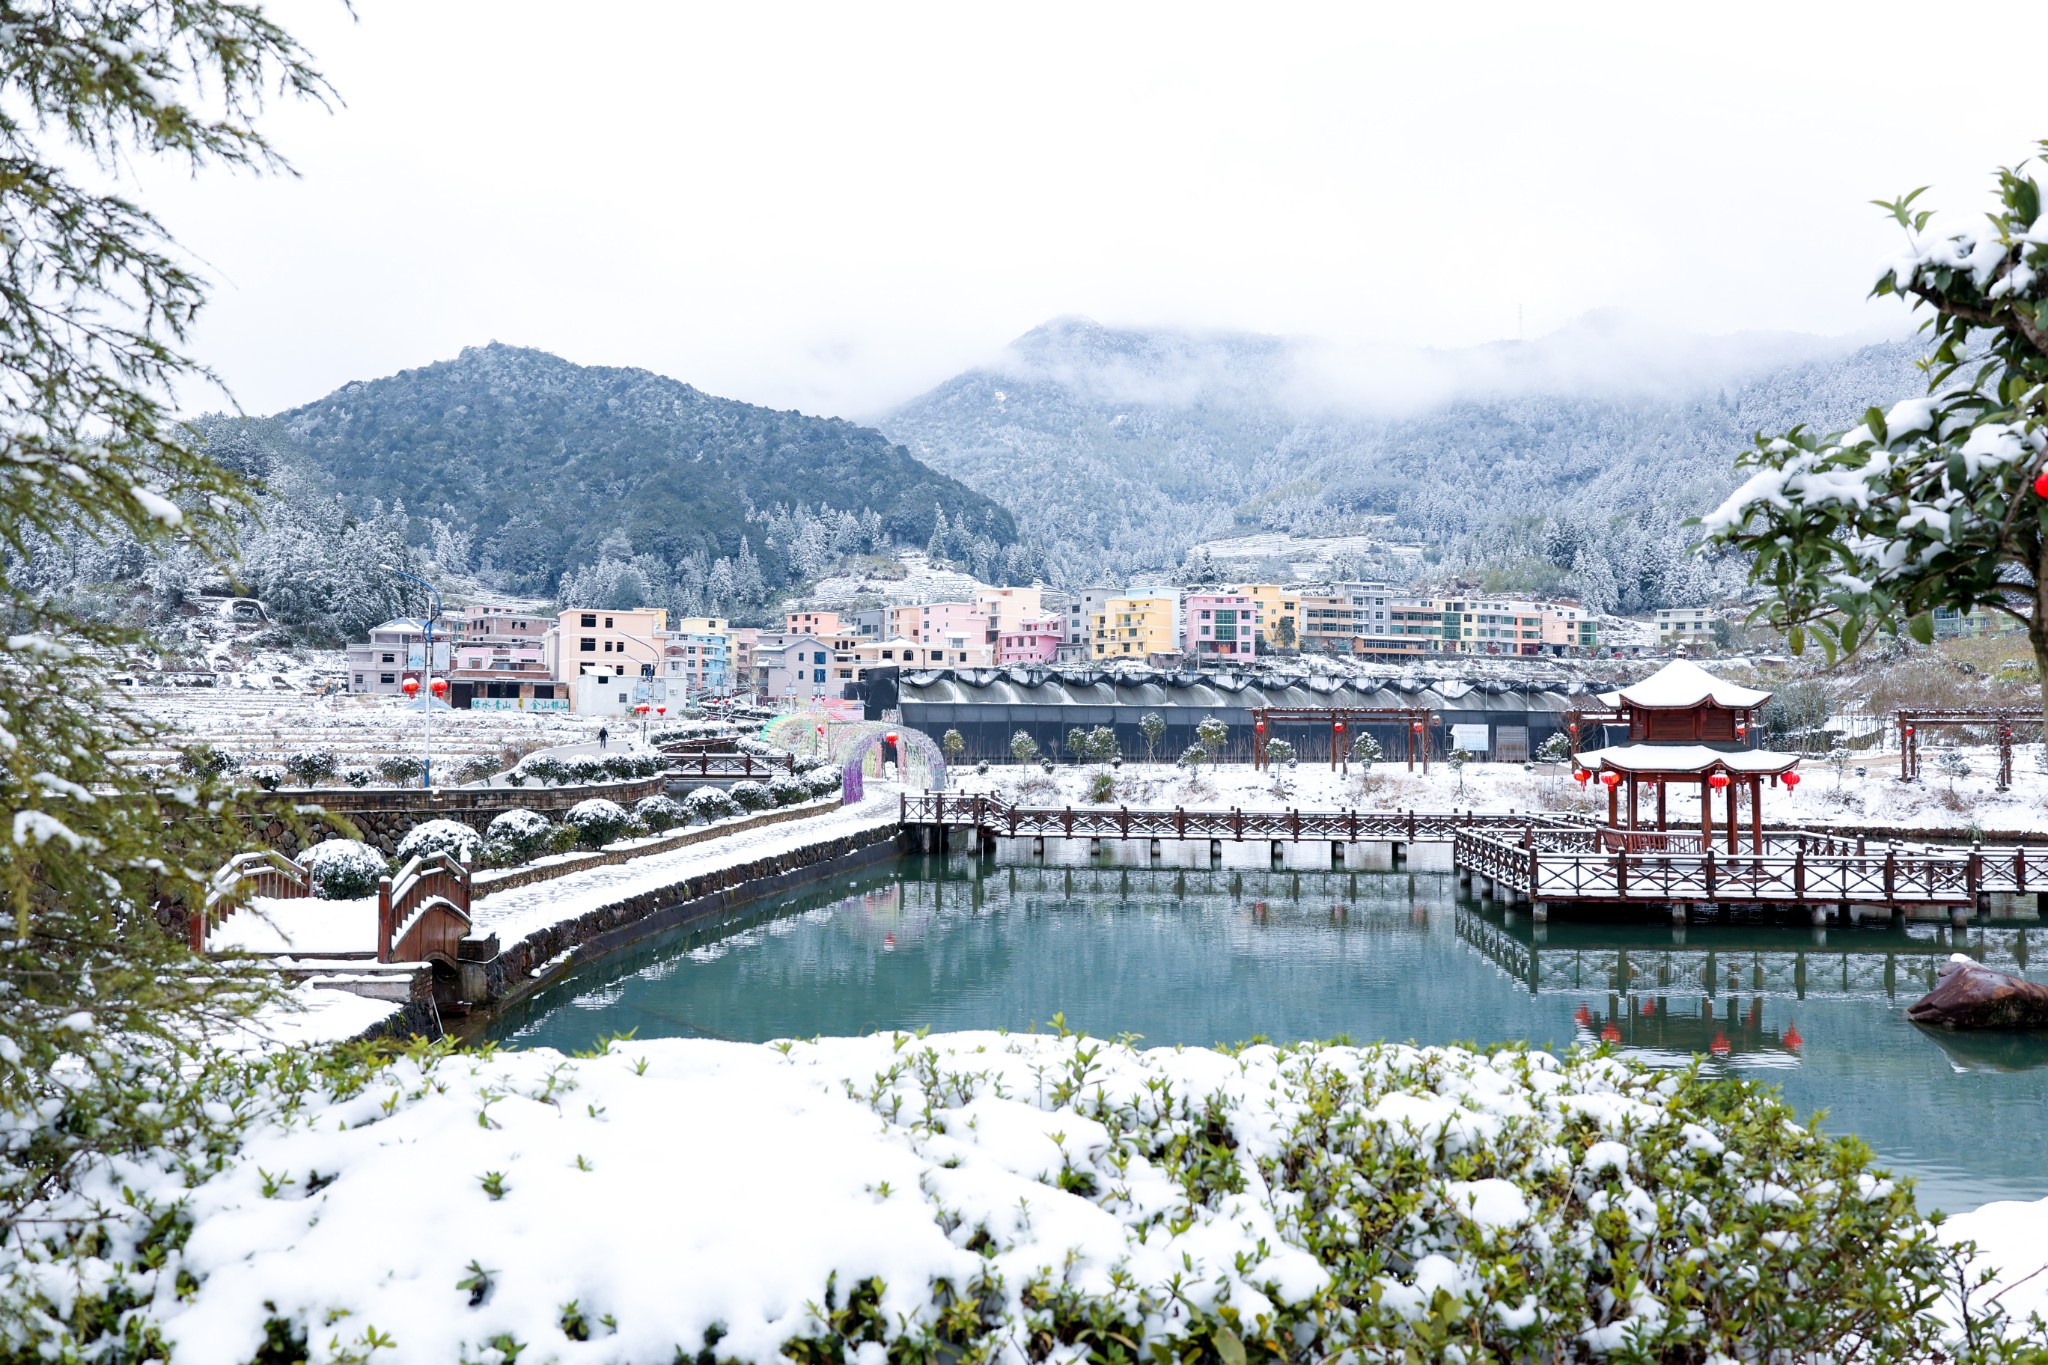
[[1556, 749], [343, 869], [1279, 751], [203, 760], [1365, 749], [1193, 757], [752, 795], [598, 822], [517, 836], [358, 777], [311, 767], [402, 770], [268, 776], [479, 768], [1023, 747], [1284, 1205], [828, 780], [659, 813], [545, 769], [451, 837], [1101, 788], [709, 804], [787, 789]]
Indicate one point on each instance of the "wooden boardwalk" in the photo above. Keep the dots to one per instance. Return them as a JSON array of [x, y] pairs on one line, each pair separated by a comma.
[[995, 816]]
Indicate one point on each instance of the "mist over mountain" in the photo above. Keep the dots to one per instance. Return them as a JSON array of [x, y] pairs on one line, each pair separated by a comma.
[[1527, 461]]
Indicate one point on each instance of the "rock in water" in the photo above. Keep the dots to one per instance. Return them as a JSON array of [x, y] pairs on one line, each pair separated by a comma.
[[1971, 995]]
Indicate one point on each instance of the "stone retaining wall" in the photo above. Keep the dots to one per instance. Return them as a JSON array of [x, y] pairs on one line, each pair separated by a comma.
[[510, 974], [383, 816], [512, 878]]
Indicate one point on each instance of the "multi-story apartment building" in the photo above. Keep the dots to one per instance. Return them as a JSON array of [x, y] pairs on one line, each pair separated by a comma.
[[1035, 640], [1568, 627], [396, 651], [871, 624], [1083, 607], [743, 638], [823, 624], [500, 661], [1006, 609], [1138, 626], [625, 641], [1328, 621], [1275, 610], [1220, 625], [931, 620], [1685, 625], [794, 665], [698, 663]]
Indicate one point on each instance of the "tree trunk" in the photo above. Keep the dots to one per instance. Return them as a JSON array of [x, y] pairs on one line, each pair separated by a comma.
[[2037, 635]]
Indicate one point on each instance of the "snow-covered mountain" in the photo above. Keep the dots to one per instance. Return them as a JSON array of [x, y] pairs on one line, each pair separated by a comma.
[[1119, 447]]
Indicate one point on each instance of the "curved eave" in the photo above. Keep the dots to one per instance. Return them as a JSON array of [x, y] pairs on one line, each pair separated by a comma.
[[1686, 760]]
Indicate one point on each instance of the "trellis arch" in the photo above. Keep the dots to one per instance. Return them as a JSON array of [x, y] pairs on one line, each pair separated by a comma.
[[920, 762]]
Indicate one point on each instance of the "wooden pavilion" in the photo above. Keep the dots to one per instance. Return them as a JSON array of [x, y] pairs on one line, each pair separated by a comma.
[[1689, 727]]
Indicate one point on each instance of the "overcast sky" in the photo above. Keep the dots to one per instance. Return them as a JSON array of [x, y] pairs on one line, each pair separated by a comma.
[[834, 206]]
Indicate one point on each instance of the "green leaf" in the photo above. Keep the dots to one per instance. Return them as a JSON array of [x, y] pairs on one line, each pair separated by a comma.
[[1795, 639], [1229, 1346], [1921, 627]]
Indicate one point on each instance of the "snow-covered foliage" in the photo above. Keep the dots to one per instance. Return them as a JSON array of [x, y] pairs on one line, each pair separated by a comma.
[[598, 822], [787, 789], [828, 779], [658, 813], [985, 1197], [517, 835], [708, 804], [752, 795], [343, 869], [452, 837]]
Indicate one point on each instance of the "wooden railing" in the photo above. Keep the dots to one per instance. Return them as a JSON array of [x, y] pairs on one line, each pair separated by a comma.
[[1001, 817], [423, 911], [265, 872], [730, 765]]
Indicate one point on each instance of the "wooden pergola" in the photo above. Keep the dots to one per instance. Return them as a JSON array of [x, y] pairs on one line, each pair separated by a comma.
[[1912, 720], [1686, 727], [1415, 723]]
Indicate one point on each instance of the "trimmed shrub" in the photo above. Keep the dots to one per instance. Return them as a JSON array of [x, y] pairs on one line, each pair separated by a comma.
[[545, 769], [477, 769], [516, 836], [451, 837], [659, 813], [1279, 751], [311, 767], [708, 804], [343, 869], [788, 789], [752, 795], [268, 776], [828, 781], [401, 770], [358, 777], [598, 822], [203, 760]]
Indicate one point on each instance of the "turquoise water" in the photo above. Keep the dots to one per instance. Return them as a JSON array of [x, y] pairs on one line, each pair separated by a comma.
[[1199, 956]]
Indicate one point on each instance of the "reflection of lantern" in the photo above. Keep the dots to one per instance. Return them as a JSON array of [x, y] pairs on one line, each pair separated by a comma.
[[1792, 1038], [411, 687], [1581, 776], [1583, 1017], [440, 687], [1610, 1034], [1720, 1046], [1792, 779], [1612, 780], [1718, 781]]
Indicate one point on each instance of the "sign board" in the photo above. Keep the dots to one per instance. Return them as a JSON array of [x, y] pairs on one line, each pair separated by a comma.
[[1471, 738]]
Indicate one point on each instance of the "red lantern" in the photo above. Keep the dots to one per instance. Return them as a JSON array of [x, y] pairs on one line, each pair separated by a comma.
[[1573, 727], [1909, 729], [1260, 727], [661, 710], [1612, 780], [439, 687], [1792, 779], [2041, 484], [1416, 727], [411, 687], [819, 728], [1340, 727], [889, 738], [1718, 781], [1742, 732], [1582, 776]]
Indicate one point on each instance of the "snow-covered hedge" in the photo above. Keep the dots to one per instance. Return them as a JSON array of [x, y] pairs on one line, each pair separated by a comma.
[[995, 1198], [311, 767], [598, 822], [451, 837], [825, 781], [658, 813], [708, 804], [788, 789], [343, 869], [752, 795], [517, 836]]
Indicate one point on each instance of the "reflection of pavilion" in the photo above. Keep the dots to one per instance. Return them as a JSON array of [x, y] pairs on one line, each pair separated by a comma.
[[1688, 1026], [1732, 961]]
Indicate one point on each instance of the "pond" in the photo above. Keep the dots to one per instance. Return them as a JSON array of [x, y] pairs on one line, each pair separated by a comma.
[[1200, 956]]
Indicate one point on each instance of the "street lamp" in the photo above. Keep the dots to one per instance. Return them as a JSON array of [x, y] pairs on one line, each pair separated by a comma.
[[427, 654]]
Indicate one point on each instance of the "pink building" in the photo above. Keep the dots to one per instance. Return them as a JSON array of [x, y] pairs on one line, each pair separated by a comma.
[[930, 622], [1035, 641], [1219, 624]]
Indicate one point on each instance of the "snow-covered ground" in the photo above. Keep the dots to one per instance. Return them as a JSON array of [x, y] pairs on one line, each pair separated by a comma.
[[922, 581], [1823, 797]]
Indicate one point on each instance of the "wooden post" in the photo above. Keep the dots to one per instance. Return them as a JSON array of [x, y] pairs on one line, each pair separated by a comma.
[[384, 924], [1706, 815], [1799, 872], [1662, 783], [1710, 871], [1733, 823], [1634, 805], [1756, 815], [1613, 798]]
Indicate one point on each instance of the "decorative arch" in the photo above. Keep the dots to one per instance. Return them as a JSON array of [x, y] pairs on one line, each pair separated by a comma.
[[921, 764]]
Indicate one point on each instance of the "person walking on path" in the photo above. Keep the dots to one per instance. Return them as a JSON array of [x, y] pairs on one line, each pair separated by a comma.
[[602, 735]]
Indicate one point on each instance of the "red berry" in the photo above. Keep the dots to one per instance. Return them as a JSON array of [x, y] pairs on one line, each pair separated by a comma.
[[2041, 484]]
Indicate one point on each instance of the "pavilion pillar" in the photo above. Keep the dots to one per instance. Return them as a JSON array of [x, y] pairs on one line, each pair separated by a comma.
[[1613, 796], [1734, 822], [1706, 814], [1633, 804], [1662, 783], [1756, 815]]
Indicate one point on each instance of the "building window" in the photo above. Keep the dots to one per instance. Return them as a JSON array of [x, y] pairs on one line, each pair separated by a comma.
[[386, 678], [589, 620], [588, 647]]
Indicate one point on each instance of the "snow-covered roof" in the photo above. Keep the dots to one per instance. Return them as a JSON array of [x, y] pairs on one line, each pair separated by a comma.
[[1681, 685], [1686, 758]]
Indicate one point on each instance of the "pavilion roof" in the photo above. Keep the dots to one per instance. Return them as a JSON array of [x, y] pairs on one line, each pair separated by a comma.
[[1681, 685], [1683, 759]]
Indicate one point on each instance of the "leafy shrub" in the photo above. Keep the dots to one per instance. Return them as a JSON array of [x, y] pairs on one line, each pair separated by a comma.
[[1279, 751], [268, 776], [752, 795], [1365, 749], [545, 769], [1023, 747], [598, 822], [204, 761], [659, 813], [829, 781], [402, 769], [516, 836], [1101, 787], [358, 777], [451, 837], [1193, 757], [1556, 749], [788, 789], [708, 804], [480, 768], [343, 869], [311, 767]]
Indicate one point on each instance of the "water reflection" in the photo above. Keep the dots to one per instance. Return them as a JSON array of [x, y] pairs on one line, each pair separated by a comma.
[[1198, 954]]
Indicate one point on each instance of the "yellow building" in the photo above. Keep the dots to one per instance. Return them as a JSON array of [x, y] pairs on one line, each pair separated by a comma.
[[1271, 605], [1136, 627]]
